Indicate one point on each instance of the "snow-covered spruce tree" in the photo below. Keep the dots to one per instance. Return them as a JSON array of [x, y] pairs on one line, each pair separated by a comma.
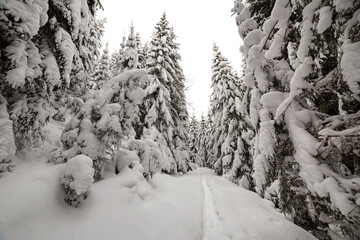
[[226, 99], [138, 42], [129, 58], [163, 123], [262, 76], [115, 59], [114, 63], [66, 100], [209, 140], [242, 168], [102, 69], [103, 122], [46, 46], [215, 109], [179, 111], [142, 52], [194, 141], [290, 57], [203, 139]]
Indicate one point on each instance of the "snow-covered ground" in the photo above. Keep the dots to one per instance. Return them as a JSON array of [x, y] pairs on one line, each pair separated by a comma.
[[244, 215], [213, 228], [198, 205]]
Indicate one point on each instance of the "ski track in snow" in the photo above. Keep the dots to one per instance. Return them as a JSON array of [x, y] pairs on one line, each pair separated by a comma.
[[212, 229], [177, 208]]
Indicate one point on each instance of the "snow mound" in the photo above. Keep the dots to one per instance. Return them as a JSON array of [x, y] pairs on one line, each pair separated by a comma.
[[77, 179], [119, 207], [80, 168]]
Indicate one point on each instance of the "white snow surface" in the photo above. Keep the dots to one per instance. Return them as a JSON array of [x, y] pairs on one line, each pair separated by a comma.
[[343, 5], [80, 168], [212, 225], [324, 19], [306, 31], [350, 61], [125, 206]]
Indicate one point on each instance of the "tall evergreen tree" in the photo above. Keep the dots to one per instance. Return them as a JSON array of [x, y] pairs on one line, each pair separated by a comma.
[[230, 151], [293, 68], [178, 100], [194, 141], [203, 139], [210, 140], [142, 51], [104, 121], [46, 46], [102, 69], [116, 59], [162, 122], [114, 63], [129, 57]]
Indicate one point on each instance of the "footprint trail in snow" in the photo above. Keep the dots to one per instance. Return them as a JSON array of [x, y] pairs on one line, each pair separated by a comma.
[[212, 229]]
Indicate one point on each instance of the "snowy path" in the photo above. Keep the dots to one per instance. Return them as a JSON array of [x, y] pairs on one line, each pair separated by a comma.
[[212, 226], [198, 205]]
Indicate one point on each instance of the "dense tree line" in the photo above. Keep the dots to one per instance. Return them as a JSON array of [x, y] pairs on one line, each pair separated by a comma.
[[47, 49], [287, 128], [124, 107], [294, 114]]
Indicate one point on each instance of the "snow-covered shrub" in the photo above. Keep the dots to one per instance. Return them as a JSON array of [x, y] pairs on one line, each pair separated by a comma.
[[63, 105], [77, 178], [154, 155], [7, 141], [133, 177], [125, 158], [103, 121]]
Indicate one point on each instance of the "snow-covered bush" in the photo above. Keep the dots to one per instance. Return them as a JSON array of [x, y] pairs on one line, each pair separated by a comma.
[[103, 121], [64, 105], [125, 158], [7, 141], [152, 156], [77, 178]]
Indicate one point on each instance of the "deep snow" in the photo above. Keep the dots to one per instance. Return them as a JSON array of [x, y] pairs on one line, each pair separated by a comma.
[[198, 205], [212, 228]]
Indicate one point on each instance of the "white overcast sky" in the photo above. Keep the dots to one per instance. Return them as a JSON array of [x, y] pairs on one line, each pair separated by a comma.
[[197, 24]]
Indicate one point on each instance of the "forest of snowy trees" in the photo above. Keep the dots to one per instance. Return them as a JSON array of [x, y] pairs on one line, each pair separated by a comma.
[[287, 127], [131, 103]]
